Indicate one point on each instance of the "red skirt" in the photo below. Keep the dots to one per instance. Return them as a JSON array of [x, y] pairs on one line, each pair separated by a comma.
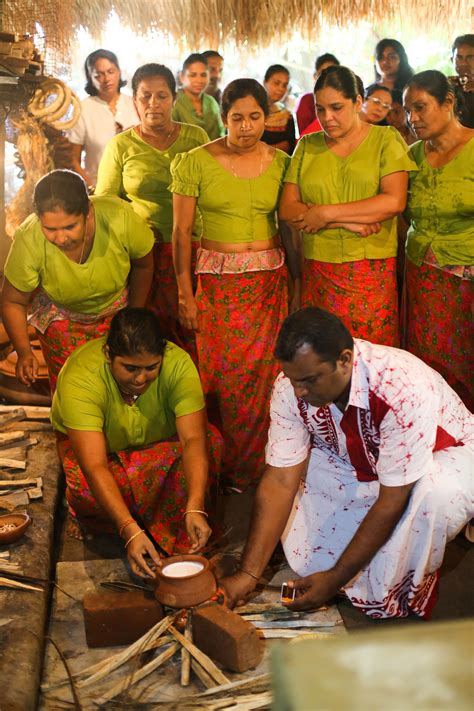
[[362, 294], [61, 338], [239, 319], [439, 325], [152, 483], [163, 297]]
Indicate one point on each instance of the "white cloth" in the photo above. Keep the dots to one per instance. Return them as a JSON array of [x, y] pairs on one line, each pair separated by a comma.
[[97, 125], [402, 424]]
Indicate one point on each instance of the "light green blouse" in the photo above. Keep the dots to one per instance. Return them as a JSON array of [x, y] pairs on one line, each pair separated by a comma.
[[132, 169], [441, 208], [210, 119], [233, 209], [325, 178], [89, 288], [87, 398]]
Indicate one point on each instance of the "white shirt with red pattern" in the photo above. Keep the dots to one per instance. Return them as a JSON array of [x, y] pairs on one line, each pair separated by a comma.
[[402, 424]]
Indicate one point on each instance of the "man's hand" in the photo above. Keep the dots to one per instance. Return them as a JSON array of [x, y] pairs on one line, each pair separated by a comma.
[[237, 587], [313, 591]]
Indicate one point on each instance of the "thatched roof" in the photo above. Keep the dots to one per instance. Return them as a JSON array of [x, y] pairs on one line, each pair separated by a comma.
[[210, 23]]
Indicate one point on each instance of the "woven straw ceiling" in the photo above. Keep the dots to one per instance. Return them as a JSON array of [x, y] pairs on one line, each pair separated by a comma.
[[204, 23]]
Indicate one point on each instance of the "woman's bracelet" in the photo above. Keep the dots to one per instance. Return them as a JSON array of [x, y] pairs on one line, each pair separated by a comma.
[[134, 536], [195, 511], [124, 525], [255, 577]]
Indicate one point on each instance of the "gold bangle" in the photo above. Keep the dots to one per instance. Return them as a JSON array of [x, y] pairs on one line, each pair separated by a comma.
[[134, 536], [195, 511], [124, 525], [255, 577]]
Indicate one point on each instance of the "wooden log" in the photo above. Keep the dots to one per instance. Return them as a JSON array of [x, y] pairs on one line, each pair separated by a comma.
[[185, 655], [31, 426], [10, 416], [8, 438], [30, 412], [14, 500], [290, 624], [17, 483], [202, 658], [12, 463], [205, 678], [290, 634], [36, 493], [7, 583]]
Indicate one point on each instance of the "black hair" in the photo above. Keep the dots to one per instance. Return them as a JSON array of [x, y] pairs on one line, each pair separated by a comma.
[[372, 88], [193, 58], [89, 65], [341, 79], [212, 53], [275, 69], [153, 70], [133, 331], [462, 39], [239, 89], [436, 84], [312, 326], [61, 189], [397, 97], [405, 72], [323, 58]]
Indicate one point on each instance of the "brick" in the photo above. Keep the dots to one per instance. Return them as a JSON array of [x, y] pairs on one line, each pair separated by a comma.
[[118, 618], [226, 637]]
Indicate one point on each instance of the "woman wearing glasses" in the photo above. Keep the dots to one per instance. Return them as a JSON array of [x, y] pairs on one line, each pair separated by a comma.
[[344, 189], [377, 104]]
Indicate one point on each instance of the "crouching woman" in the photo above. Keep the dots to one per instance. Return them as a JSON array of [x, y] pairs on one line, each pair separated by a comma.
[[133, 440]]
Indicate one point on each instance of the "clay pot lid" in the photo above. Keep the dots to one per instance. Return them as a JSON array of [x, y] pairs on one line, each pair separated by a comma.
[[183, 559], [21, 521]]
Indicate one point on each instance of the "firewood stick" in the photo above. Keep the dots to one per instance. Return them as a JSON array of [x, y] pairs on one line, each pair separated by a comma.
[[9, 437], [202, 658], [12, 463], [8, 583], [31, 412], [185, 655], [205, 678]]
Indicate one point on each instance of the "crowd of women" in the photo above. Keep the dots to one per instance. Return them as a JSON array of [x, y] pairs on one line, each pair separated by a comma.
[[210, 233]]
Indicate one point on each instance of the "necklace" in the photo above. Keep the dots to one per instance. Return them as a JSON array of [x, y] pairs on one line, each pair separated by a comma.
[[233, 153], [167, 138]]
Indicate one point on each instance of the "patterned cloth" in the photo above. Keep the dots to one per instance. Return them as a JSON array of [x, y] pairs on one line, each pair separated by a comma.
[[163, 297], [362, 294], [439, 324], [152, 483], [402, 424], [239, 319]]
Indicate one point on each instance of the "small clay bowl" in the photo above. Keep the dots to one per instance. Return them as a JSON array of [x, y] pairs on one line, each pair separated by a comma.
[[21, 521], [184, 581]]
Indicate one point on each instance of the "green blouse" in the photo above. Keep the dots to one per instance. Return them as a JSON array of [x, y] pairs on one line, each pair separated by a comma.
[[325, 178], [132, 169], [89, 288], [233, 209], [87, 398], [210, 119], [441, 208]]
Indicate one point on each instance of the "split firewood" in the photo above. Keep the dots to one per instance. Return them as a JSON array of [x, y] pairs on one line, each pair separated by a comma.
[[31, 426], [290, 634], [29, 412], [35, 493], [11, 416], [202, 658], [290, 624], [205, 678], [17, 483], [13, 500], [7, 583], [269, 608], [185, 655], [8, 438], [12, 463]]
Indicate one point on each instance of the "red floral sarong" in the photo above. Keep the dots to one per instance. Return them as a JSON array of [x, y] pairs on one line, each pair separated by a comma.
[[61, 338], [163, 297], [439, 325], [362, 294], [239, 319], [152, 483]]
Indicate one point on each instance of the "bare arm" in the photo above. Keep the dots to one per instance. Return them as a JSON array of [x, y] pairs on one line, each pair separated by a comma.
[[141, 275], [192, 431], [291, 240], [184, 211], [90, 450], [15, 317], [271, 510], [373, 532], [76, 156]]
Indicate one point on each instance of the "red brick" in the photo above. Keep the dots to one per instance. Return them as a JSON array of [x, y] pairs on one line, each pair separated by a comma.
[[117, 618]]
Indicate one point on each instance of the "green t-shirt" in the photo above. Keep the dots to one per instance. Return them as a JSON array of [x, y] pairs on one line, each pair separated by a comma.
[[89, 288], [132, 169], [87, 398], [441, 208], [210, 119], [233, 209], [325, 178]]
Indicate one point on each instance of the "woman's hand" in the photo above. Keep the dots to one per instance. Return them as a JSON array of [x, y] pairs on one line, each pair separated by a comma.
[[137, 549], [188, 313], [27, 368], [237, 587], [313, 220], [358, 228], [198, 531]]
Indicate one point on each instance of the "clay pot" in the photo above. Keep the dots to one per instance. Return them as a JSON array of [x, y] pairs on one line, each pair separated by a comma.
[[21, 522], [188, 589]]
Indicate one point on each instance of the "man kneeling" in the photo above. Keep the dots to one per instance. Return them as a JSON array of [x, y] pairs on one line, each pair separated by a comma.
[[369, 472]]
